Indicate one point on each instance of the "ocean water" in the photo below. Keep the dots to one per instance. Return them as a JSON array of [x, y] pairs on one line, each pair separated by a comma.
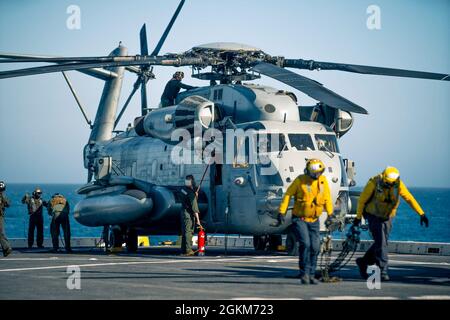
[[435, 202]]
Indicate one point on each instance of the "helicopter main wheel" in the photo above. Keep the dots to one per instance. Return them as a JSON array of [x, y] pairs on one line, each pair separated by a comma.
[[260, 242], [275, 241], [132, 240], [291, 243], [115, 237], [106, 237]]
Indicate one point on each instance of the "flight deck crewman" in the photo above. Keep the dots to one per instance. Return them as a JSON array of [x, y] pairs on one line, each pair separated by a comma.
[[36, 220], [378, 203], [4, 203], [312, 195], [189, 215], [173, 88], [58, 209]]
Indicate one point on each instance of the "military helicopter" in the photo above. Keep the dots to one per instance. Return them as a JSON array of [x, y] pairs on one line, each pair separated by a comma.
[[133, 181]]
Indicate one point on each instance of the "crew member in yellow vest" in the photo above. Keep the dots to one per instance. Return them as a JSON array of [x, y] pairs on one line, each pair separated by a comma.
[[378, 203], [312, 197], [58, 209]]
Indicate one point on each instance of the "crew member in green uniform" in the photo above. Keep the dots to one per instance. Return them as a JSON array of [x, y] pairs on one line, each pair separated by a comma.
[[189, 215]]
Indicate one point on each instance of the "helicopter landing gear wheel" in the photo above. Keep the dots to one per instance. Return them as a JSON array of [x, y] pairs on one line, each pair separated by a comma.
[[260, 242], [105, 238], [291, 243], [275, 241], [115, 237], [132, 240]]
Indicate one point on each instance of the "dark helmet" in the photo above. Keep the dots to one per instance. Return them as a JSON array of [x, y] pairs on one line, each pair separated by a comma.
[[2, 186], [178, 74], [190, 178], [37, 192]]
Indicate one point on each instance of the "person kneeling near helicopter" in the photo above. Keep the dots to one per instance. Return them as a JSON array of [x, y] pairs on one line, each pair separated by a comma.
[[378, 203], [58, 208], [173, 88], [312, 195], [189, 215]]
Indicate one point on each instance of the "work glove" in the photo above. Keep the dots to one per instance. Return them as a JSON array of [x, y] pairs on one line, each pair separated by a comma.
[[424, 219], [356, 222]]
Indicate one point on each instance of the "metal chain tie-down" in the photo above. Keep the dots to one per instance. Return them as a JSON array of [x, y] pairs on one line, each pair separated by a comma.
[[349, 246]]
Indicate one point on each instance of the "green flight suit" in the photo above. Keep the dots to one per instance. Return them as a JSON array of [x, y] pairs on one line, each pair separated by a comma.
[[4, 203], [190, 206]]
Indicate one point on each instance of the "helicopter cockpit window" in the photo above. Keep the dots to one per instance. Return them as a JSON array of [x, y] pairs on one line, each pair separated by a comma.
[[270, 142], [249, 147], [301, 142], [327, 142]]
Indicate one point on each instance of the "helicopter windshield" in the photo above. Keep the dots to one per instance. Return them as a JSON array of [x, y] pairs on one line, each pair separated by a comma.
[[270, 142], [301, 142], [327, 142]]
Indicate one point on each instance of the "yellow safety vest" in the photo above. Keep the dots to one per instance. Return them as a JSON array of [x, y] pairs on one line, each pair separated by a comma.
[[382, 201], [312, 197]]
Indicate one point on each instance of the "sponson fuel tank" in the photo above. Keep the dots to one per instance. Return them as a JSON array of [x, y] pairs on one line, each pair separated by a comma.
[[125, 200], [160, 123], [113, 205]]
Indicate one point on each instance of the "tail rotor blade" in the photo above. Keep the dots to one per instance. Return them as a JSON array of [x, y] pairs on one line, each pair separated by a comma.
[[143, 40], [143, 77]]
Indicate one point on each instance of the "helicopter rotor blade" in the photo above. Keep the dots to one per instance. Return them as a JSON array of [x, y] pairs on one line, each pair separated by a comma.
[[166, 32], [362, 69], [135, 87], [99, 73], [308, 86], [117, 62], [16, 58]]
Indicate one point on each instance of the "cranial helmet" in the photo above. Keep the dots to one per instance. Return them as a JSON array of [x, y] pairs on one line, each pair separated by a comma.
[[390, 175], [190, 181], [178, 74], [314, 168], [37, 192]]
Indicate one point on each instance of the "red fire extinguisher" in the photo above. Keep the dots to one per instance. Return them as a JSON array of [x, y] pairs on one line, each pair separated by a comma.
[[201, 241]]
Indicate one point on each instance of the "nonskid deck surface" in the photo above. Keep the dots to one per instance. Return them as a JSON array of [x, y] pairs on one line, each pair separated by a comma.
[[160, 273]]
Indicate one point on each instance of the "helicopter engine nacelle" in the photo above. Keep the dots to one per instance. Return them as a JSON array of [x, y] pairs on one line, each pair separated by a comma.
[[160, 123]]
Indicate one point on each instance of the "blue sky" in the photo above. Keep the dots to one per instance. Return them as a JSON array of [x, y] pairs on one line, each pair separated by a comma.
[[42, 133]]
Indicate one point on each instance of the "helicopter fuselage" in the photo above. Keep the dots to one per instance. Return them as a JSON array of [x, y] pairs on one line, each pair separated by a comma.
[[238, 197]]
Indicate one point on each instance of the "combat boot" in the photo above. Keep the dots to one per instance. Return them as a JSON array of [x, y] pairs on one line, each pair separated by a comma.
[[362, 266], [385, 276], [7, 252], [305, 279]]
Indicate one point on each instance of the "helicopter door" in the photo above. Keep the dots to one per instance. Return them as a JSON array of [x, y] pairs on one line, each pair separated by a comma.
[[241, 184]]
